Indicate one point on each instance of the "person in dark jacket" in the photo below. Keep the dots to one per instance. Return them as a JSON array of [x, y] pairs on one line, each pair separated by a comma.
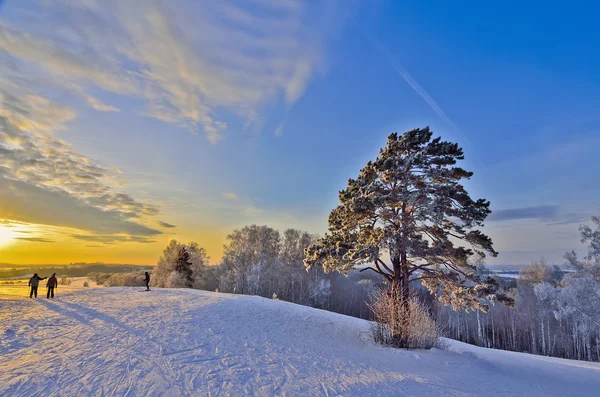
[[51, 284], [147, 281], [34, 283]]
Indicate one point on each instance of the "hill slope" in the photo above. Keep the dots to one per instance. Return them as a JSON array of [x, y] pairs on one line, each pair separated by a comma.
[[119, 341]]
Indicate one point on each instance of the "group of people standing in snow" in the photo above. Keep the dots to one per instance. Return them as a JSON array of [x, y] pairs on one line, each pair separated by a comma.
[[51, 284]]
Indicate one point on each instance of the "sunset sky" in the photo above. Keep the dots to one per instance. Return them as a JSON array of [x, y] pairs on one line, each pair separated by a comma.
[[124, 124]]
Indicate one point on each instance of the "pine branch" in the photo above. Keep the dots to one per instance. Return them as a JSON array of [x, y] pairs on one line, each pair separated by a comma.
[[424, 278], [384, 265], [377, 271]]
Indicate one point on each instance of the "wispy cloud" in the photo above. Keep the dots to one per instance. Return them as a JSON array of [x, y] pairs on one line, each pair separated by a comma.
[[113, 239], [10, 223], [244, 205], [549, 214], [43, 180], [35, 239], [279, 129], [569, 219], [166, 225], [189, 64], [28, 203], [251, 211], [538, 212]]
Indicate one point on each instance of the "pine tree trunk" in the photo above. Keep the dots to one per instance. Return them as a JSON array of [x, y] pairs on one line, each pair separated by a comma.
[[405, 292]]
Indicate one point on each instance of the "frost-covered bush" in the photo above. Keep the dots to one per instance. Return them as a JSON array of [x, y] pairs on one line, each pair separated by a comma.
[[176, 280], [99, 278], [320, 290], [133, 279], [64, 280], [575, 302], [399, 324], [184, 266]]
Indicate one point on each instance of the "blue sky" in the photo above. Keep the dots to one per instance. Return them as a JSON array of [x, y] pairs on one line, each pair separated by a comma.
[[212, 115]]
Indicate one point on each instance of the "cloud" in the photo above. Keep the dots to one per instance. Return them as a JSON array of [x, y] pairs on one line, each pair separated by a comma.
[[189, 64], [243, 205], [35, 239], [43, 180], [252, 211], [9, 222], [98, 105], [25, 202], [230, 196], [166, 225], [548, 214], [538, 212], [113, 239], [570, 218], [279, 129]]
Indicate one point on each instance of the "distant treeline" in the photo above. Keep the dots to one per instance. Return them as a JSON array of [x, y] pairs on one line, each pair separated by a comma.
[[71, 270], [131, 279]]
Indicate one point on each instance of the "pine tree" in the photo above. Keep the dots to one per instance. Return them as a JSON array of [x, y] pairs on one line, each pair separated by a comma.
[[410, 206], [592, 237], [183, 267]]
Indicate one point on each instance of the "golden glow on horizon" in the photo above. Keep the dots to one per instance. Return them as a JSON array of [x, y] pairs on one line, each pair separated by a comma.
[[61, 248], [6, 235]]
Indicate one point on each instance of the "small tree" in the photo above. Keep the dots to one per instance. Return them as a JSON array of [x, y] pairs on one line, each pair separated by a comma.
[[409, 205], [249, 261], [592, 237], [64, 280], [183, 267]]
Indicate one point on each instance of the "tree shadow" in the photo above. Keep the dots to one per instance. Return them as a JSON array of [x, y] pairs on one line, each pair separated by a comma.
[[86, 315]]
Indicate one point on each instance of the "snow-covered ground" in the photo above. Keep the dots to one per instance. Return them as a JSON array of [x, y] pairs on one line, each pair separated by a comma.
[[125, 342], [19, 286]]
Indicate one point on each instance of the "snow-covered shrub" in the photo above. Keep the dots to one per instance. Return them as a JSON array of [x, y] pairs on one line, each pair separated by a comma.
[[190, 262], [133, 279], [575, 302], [275, 296], [400, 324], [64, 280], [176, 280], [99, 278], [320, 289]]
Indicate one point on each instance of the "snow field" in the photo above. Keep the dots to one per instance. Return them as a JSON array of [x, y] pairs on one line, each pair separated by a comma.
[[173, 342]]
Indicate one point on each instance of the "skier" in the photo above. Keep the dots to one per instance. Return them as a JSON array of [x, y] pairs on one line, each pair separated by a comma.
[[147, 281], [51, 284], [34, 282]]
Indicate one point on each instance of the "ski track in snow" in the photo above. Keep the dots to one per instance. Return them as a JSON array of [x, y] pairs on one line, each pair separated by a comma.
[[120, 342]]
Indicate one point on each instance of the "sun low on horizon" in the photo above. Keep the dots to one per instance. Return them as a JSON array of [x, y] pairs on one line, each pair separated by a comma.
[[126, 124], [6, 235]]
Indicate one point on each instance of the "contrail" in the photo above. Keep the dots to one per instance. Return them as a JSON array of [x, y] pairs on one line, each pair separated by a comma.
[[421, 91], [409, 79]]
